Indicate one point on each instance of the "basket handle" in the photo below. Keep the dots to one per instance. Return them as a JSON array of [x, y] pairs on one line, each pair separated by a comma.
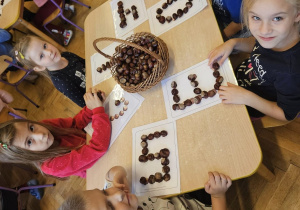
[[127, 43]]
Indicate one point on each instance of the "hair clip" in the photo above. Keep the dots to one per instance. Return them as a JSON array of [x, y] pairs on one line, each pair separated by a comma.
[[3, 145], [17, 53]]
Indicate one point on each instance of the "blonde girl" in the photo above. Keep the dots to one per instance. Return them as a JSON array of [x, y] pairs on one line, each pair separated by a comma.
[[269, 81], [57, 147]]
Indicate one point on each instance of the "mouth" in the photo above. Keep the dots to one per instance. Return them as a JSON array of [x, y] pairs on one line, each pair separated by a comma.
[[266, 38]]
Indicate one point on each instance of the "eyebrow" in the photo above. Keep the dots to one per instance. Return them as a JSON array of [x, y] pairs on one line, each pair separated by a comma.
[[279, 13], [106, 201], [28, 128]]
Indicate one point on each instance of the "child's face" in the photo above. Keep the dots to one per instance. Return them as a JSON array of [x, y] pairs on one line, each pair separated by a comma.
[[43, 54], [32, 137], [273, 24], [110, 199]]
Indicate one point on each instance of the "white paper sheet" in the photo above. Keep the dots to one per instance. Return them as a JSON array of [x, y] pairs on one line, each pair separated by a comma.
[[151, 167], [135, 101], [97, 60], [131, 23], [206, 82], [157, 28]]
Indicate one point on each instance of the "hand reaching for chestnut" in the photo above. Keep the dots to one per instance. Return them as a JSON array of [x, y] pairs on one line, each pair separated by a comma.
[[220, 53], [92, 100]]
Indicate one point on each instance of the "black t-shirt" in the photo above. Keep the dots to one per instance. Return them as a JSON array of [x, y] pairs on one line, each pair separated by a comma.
[[71, 80], [274, 76]]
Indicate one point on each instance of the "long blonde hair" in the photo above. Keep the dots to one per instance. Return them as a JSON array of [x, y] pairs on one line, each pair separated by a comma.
[[74, 202], [247, 4], [14, 154]]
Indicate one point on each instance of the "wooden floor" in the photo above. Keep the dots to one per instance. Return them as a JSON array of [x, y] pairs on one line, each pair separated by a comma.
[[280, 146]]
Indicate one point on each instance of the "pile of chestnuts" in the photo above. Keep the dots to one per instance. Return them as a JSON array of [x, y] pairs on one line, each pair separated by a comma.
[[163, 154], [180, 12], [133, 65], [199, 93]]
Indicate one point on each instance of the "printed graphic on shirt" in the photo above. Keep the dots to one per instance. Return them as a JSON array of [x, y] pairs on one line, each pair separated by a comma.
[[82, 77]]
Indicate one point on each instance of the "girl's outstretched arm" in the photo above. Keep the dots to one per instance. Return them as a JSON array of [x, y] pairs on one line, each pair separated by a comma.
[[118, 176]]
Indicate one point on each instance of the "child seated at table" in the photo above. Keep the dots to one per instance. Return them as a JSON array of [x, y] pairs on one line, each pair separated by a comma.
[[269, 80], [66, 70], [116, 195], [57, 147]]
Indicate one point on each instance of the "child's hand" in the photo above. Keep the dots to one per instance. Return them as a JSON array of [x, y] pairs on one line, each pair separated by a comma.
[[92, 100], [120, 181], [218, 184], [220, 53], [233, 94]]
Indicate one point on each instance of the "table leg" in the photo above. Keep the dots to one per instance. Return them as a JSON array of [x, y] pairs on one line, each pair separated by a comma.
[[41, 34], [265, 173]]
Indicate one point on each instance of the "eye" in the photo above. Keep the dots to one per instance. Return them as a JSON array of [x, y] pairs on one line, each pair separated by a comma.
[[31, 127], [277, 19], [255, 18], [45, 45], [29, 142]]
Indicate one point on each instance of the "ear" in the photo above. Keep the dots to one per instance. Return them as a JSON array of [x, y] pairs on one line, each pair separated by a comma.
[[39, 68], [297, 20]]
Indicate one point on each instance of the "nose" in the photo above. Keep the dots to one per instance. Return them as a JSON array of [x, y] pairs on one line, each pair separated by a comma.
[[48, 52], [265, 28], [39, 136]]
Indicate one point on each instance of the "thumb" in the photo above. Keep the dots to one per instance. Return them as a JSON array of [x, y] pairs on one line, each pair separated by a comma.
[[230, 84], [207, 187]]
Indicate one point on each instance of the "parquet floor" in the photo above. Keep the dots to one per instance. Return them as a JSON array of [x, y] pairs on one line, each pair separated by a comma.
[[280, 146]]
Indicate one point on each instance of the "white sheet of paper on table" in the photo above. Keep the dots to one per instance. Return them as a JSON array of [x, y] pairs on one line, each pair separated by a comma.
[[131, 23], [206, 82], [135, 101], [151, 167], [157, 28], [97, 60]]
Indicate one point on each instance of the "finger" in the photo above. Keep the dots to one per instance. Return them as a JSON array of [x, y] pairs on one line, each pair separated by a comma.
[[211, 178], [221, 61], [207, 187], [230, 84], [229, 181], [223, 180], [217, 177]]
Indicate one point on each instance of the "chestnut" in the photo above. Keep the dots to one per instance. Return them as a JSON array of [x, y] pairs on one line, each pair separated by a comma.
[[189, 4], [174, 91], [158, 177], [179, 12], [143, 158], [123, 24], [117, 102], [99, 69], [164, 153], [175, 107], [121, 113], [197, 91], [219, 79], [159, 11], [151, 179], [135, 16], [120, 10], [164, 161], [111, 118], [215, 66], [197, 99], [144, 137], [162, 19], [212, 93], [103, 67], [120, 3], [164, 133], [144, 144], [156, 134], [108, 65], [169, 2], [164, 5], [143, 180], [176, 98], [165, 169], [217, 86], [204, 94], [192, 77], [216, 74], [158, 16], [150, 156], [194, 83], [99, 94], [145, 151], [126, 102], [175, 16], [150, 136], [133, 7], [185, 10], [173, 84], [169, 19], [116, 116], [187, 102], [122, 99], [181, 106], [157, 156], [125, 108], [127, 11], [167, 177]]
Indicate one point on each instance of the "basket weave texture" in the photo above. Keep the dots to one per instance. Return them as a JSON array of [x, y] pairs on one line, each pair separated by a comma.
[[158, 70]]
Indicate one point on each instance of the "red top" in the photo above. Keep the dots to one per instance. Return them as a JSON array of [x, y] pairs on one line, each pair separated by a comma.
[[77, 161]]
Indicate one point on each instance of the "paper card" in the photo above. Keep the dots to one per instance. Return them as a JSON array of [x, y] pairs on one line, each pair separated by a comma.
[[97, 60], [131, 23], [135, 101], [206, 82], [3, 3], [151, 167], [157, 28]]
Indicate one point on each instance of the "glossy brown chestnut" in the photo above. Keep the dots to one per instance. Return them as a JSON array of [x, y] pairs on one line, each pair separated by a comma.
[[159, 11], [216, 74], [167, 177], [99, 69], [204, 94], [117, 102], [157, 156], [164, 133], [175, 107], [198, 99], [156, 134], [120, 3], [144, 144], [143, 180], [165, 161], [181, 106], [194, 83], [179, 12], [169, 19], [173, 84], [215, 66], [144, 137], [162, 19], [151, 179], [185, 10], [197, 91], [212, 93], [108, 65], [164, 153], [217, 86], [189, 4], [111, 118], [150, 136], [150, 156], [143, 158], [219, 79], [133, 7], [187, 102], [192, 77], [176, 98], [174, 91], [127, 11], [145, 151], [169, 2], [158, 16], [135, 16], [165, 169], [123, 24], [164, 6], [103, 67], [158, 177]]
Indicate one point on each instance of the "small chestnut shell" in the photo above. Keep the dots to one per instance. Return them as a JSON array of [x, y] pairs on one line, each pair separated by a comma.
[[150, 136], [164, 133], [165, 169], [143, 180], [164, 153], [165, 161], [219, 79], [176, 98], [158, 177], [167, 177], [145, 151], [143, 158], [151, 179], [215, 66]]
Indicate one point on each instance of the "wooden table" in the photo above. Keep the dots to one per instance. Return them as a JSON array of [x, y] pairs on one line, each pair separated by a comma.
[[220, 138], [12, 15]]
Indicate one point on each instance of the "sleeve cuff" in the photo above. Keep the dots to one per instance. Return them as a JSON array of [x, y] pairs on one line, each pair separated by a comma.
[[98, 110]]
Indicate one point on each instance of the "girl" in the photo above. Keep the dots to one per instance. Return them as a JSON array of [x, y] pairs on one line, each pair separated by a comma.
[[270, 78], [116, 195], [67, 70], [58, 147]]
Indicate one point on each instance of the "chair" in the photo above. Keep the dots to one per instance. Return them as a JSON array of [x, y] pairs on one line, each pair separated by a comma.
[[14, 78], [59, 13], [269, 122], [18, 192]]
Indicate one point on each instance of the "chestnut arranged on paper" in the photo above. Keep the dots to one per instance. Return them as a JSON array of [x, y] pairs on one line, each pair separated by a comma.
[[120, 11], [103, 67]]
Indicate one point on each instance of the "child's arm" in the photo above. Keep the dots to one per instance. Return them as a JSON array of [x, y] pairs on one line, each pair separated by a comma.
[[233, 94], [232, 29], [216, 186], [222, 52], [118, 176]]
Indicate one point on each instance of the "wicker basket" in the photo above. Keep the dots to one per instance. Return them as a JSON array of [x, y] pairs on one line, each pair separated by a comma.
[[158, 72]]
